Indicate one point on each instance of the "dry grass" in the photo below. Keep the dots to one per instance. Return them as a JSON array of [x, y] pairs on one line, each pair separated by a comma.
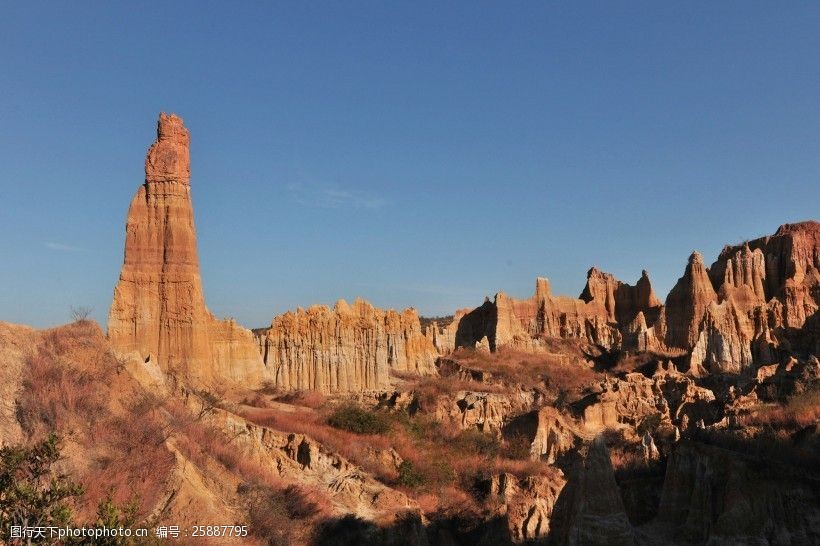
[[115, 439], [555, 371], [800, 411], [438, 456], [120, 436], [280, 515], [448, 457], [132, 460], [429, 389], [306, 399], [358, 448], [116, 433], [278, 512], [59, 393]]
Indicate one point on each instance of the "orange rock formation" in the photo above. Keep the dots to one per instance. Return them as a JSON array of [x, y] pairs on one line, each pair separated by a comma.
[[159, 309]]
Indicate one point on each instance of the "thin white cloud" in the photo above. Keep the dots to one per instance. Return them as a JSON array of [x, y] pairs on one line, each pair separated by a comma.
[[440, 290], [333, 197], [64, 248]]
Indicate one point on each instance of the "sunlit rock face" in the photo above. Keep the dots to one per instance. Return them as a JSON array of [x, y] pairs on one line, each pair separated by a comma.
[[352, 347], [159, 309]]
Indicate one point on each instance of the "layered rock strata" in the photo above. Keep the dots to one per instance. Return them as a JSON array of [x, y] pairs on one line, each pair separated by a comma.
[[159, 310], [345, 349]]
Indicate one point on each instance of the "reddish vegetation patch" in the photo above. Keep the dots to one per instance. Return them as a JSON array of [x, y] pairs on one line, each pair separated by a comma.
[[801, 411], [75, 387], [428, 389], [116, 437], [356, 447], [561, 372], [307, 399], [441, 463]]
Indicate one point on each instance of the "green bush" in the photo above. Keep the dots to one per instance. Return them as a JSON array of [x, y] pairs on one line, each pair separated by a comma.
[[113, 516], [32, 491], [409, 476], [476, 442], [423, 428], [649, 424], [355, 419]]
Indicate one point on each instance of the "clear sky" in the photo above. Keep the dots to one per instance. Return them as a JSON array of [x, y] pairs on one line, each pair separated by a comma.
[[416, 154]]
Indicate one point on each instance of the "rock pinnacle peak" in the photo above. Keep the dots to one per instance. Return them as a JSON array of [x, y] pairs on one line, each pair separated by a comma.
[[169, 158], [696, 258]]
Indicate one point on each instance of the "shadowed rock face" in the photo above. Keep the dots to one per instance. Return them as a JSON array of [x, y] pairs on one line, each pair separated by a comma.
[[589, 509], [622, 301], [785, 265], [714, 495], [768, 290], [605, 307], [159, 309]]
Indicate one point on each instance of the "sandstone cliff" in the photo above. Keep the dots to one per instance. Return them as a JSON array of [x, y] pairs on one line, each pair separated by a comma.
[[159, 309], [349, 348], [686, 305], [622, 301]]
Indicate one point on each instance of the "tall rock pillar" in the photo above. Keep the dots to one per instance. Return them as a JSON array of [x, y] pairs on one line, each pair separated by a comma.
[[159, 309]]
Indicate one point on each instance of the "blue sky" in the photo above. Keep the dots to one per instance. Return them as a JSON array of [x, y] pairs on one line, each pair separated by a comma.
[[416, 154]]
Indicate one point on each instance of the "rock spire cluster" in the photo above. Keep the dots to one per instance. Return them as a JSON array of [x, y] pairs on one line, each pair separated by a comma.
[[757, 302]]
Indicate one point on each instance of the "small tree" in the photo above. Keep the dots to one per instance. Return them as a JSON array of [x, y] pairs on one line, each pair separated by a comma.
[[32, 494], [211, 399], [112, 516], [81, 313], [409, 476]]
